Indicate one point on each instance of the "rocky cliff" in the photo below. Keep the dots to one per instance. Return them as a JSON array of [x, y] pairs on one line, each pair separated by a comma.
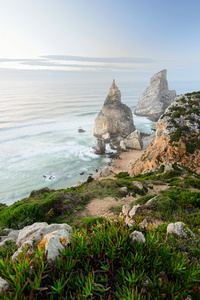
[[177, 137], [156, 98], [115, 118]]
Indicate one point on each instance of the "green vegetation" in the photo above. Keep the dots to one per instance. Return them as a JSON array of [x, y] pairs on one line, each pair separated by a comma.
[[190, 111], [101, 263]]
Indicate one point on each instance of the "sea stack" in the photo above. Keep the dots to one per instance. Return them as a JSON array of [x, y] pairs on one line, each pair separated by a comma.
[[156, 98], [115, 119]]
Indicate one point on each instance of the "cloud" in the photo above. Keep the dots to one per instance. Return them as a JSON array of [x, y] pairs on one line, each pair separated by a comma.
[[78, 63], [99, 59]]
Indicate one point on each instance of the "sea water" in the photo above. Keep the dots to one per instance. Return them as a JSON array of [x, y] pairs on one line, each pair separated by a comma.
[[40, 145]]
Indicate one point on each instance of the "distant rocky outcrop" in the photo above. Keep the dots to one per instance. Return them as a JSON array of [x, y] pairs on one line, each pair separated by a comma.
[[115, 119], [156, 98], [177, 137]]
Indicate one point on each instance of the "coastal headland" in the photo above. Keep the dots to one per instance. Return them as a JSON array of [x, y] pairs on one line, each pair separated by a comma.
[[130, 233]]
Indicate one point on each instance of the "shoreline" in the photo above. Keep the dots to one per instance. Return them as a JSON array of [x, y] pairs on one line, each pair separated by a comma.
[[126, 159]]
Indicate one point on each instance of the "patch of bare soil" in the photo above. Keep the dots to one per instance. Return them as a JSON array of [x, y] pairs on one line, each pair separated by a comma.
[[101, 207]]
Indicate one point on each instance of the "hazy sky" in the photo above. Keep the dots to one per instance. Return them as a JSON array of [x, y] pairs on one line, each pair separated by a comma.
[[102, 35]]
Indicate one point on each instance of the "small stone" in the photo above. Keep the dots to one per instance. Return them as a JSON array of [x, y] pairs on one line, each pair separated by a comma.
[[81, 130], [3, 285], [144, 223], [99, 146], [124, 199], [105, 172], [150, 201], [124, 190], [133, 211], [28, 245], [147, 281], [180, 229], [122, 145], [137, 236], [127, 220], [125, 209], [167, 166], [138, 184]]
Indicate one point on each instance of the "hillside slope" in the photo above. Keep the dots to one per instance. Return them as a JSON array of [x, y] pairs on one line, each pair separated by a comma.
[[177, 137]]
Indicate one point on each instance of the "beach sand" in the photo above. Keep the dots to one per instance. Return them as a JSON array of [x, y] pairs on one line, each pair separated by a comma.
[[126, 159]]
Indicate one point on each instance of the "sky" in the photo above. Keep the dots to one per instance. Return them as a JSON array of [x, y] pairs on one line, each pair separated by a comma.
[[123, 36]]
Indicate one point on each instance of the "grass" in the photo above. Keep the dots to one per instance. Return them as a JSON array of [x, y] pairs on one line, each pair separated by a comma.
[[190, 111], [57, 206], [101, 263]]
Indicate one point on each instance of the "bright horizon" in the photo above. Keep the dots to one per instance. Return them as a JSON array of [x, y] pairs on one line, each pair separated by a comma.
[[136, 37]]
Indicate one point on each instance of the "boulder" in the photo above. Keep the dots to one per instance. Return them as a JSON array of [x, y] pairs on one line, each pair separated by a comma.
[[99, 146], [133, 211], [28, 245], [150, 201], [138, 184], [54, 243], [156, 98], [3, 285], [123, 190], [180, 229], [81, 130], [115, 117], [122, 145], [125, 209], [133, 141], [137, 237], [105, 172], [37, 231]]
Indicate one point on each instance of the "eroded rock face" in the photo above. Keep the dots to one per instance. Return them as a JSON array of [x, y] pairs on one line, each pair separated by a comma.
[[156, 98], [177, 137], [115, 118]]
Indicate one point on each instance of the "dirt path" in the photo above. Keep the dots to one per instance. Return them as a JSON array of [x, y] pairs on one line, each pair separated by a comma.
[[101, 207]]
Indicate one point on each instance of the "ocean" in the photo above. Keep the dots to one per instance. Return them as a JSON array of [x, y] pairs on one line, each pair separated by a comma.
[[40, 145]]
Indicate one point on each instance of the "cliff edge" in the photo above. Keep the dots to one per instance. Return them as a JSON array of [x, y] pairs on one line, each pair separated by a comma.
[[177, 137]]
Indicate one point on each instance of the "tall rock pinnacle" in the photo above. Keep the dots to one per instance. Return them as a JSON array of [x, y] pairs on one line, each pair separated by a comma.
[[115, 119], [156, 98]]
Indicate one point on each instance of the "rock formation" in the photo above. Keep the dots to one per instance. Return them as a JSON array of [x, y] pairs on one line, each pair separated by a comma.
[[177, 137], [53, 238], [133, 141], [115, 118], [156, 98], [99, 146]]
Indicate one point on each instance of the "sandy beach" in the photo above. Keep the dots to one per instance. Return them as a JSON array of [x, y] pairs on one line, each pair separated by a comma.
[[126, 159]]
